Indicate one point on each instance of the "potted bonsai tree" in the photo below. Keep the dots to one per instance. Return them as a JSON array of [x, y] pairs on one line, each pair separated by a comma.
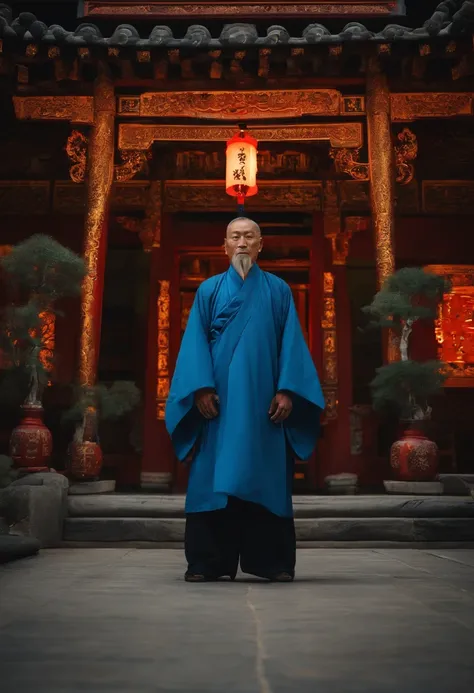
[[38, 272], [405, 385], [93, 404]]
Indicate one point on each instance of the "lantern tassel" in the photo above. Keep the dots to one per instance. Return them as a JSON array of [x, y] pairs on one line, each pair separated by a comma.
[[240, 206]]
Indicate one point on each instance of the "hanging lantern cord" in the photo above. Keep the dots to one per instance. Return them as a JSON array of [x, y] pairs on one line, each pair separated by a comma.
[[241, 198], [241, 206]]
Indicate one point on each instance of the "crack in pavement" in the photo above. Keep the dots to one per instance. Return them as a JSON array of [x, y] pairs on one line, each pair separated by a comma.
[[261, 656]]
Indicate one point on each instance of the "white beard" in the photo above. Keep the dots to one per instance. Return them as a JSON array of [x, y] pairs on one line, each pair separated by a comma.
[[242, 264]]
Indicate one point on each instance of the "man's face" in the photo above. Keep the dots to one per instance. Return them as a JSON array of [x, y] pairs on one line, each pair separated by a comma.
[[243, 238]]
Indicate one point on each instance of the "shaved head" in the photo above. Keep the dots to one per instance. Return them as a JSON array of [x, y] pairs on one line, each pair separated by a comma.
[[251, 223]]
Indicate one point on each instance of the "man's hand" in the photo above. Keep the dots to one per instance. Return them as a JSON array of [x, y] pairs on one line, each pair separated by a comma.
[[207, 401], [280, 408]]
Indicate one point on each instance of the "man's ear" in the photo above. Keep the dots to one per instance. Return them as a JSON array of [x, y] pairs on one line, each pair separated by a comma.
[[226, 251]]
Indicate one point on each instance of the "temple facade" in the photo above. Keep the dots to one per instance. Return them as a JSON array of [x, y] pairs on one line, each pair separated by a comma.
[[115, 116]]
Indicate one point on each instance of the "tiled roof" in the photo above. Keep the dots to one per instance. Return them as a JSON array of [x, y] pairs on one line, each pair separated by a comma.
[[452, 18]]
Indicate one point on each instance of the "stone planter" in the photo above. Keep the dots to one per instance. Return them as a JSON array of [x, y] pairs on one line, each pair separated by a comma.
[[414, 457], [31, 443]]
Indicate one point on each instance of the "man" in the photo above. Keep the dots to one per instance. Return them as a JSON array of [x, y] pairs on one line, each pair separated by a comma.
[[245, 400]]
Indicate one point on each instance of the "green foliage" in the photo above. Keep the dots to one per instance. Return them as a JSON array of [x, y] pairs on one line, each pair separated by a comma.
[[409, 294], [7, 472], [39, 271], [406, 384], [111, 403], [45, 268]]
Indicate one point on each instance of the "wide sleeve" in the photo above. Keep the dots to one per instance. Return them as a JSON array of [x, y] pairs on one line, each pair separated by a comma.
[[193, 372], [298, 376]]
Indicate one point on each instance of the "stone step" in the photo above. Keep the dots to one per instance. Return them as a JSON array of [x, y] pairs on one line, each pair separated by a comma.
[[324, 529], [364, 506]]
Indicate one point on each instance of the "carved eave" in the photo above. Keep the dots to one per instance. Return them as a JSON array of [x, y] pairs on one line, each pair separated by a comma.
[[239, 11], [37, 65], [237, 51]]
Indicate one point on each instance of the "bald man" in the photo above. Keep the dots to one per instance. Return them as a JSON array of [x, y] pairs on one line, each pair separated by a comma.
[[245, 400]]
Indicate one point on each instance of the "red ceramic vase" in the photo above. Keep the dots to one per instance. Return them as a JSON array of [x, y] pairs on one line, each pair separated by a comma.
[[414, 457], [85, 460], [31, 443]]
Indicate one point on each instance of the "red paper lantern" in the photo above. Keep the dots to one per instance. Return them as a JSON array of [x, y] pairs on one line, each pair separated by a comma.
[[241, 167]]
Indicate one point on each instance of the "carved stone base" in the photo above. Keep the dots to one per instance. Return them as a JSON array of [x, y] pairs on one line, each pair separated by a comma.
[[92, 487], [156, 481], [414, 488]]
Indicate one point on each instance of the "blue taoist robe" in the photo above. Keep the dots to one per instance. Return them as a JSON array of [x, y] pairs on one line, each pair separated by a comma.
[[244, 339]]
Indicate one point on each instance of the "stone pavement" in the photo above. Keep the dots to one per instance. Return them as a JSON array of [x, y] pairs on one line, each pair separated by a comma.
[[123, 621]]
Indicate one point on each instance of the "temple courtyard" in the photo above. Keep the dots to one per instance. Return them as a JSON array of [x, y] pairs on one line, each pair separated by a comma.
[[123, 620]]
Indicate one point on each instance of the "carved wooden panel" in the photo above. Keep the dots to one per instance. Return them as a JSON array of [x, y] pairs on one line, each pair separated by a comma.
[[251, 9], [454, 326]]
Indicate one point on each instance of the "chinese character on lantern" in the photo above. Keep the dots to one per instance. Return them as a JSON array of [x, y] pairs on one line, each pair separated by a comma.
[[241, 167]]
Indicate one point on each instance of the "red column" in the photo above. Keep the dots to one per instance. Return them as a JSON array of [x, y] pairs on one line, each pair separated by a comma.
[[316, 299], [158, 457], [334, 316], [342, 443]]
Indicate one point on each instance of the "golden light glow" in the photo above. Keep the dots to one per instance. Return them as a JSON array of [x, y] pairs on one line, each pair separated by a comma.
[[241, 167]]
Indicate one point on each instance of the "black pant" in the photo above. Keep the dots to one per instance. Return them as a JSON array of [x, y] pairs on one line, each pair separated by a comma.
[[264, 542]]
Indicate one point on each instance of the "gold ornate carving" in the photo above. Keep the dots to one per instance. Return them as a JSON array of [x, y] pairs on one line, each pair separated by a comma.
[[332, 402], [143, 56], [405, 152], [76, 149], [353, 105], [381, 170], [382, 183], [138, 136], [128, 105], [339, 233], [76, 109], [31, 50], [99, 186], [149, 228], [347, 161], [317, 8], [132, 163], [235, 104], [454, 326], [340, 244], [409, 107], [193, 163], [211, 195], [48, 337], [163, 348], [328, 325], [54, 52]]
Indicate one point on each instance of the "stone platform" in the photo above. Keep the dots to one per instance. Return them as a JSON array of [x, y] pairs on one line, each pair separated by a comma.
[[369, 518], [124, 621]]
